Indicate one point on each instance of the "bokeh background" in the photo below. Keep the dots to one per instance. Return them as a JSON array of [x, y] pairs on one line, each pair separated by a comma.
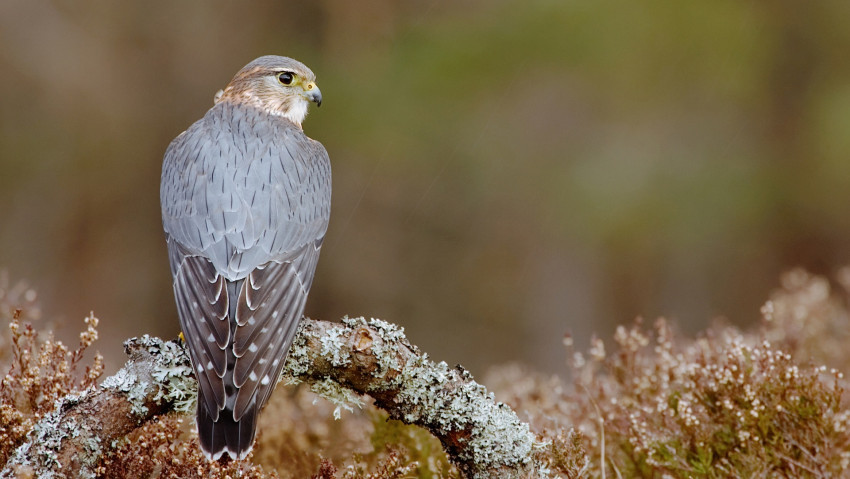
[[504, 171]]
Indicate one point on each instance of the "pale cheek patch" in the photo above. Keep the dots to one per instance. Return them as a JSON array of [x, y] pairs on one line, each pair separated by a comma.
[[297, 111]]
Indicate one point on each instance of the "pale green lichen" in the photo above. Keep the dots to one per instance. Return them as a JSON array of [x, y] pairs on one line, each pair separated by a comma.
[[172, 376], [297, 360], [128, 383], [389, 331], [333, 347], [498, 437], [46, 441], [176, 384], [385, 351]]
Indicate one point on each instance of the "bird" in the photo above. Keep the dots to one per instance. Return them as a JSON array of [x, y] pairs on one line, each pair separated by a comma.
[[245, 198]]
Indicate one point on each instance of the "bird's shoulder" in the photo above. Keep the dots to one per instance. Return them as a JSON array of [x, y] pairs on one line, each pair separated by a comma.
[[239, 183], [229, 132]]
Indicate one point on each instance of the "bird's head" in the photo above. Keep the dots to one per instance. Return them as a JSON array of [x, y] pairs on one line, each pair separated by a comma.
[[279, 85]]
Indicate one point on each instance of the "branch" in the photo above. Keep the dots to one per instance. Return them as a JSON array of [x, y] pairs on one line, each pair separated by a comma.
[[482, 437], [71, 440]]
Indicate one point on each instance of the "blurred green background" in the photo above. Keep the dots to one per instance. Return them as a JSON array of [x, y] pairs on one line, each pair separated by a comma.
[[504, 171]]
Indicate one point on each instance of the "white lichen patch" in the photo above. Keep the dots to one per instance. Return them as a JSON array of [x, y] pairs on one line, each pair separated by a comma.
[[498, 437], [385, 351], [126, 382], [47, 443], [388, 331], [41, 450], [342, 397], [333, 347], [172, 374]]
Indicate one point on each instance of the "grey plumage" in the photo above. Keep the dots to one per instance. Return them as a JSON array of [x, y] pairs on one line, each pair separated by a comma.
[[245, 204]]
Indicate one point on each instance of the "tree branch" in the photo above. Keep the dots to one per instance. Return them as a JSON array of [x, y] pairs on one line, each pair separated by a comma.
[[71, 440], [482, 437], [485, 439]]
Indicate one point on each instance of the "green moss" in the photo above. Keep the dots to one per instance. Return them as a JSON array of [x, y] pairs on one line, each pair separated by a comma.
[[422, 447]]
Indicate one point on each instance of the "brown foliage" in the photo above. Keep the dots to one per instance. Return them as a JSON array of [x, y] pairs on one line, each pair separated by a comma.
[[298, 438], [40, 371], [763, 403], [165, 448], [726, 404]]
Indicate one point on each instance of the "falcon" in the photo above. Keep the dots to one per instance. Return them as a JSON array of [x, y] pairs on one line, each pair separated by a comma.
[[245, 205]]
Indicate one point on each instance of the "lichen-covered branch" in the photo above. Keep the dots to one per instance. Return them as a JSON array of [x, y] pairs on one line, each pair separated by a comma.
[[71, 440], [484, 438]]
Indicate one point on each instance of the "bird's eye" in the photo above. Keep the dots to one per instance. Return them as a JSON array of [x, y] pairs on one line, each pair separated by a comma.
[[285, 78]]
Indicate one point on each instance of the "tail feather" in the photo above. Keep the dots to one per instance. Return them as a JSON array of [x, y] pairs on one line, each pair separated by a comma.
[[217, 437], [224, 434]]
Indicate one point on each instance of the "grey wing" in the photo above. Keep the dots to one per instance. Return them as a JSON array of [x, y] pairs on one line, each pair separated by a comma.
[[202, 307], [268, 311], [199, 287]]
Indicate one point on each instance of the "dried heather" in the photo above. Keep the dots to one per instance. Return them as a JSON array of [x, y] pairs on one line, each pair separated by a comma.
[[41, 370], [809, 319], [166, 448], [724, 405], [649, 404], [653, 404]]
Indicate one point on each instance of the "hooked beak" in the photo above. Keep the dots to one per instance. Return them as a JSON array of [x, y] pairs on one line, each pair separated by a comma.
[[312, 92]]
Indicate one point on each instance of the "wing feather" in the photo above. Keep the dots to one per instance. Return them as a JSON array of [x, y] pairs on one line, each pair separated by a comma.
[[202, 305], [195, 328], [204, 295], [267, 325]]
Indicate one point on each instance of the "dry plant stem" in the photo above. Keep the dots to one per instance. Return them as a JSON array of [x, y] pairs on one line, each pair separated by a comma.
[[485, 439], [71, 440]]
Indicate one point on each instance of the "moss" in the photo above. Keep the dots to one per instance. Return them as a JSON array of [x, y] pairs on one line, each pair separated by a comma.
[[424, 448]]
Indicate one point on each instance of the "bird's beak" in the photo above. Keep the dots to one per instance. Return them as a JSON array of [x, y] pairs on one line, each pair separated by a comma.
[[313, 93]]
